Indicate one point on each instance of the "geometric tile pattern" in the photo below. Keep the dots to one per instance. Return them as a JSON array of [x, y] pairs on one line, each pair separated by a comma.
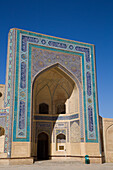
[[43, 127], [42, 58], [62, 127], [29, 44], [9, 88], [74, 131]]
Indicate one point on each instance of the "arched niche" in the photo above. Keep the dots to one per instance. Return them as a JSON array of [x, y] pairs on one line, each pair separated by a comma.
[[61, 138], [43, 146], [74, 132], [43, 108], [61, 142], [57, 89]]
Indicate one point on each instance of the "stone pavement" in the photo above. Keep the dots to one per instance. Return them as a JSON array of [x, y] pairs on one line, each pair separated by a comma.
[[59, 165]]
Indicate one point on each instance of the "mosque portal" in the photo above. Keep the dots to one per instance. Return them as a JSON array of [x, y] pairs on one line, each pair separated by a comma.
[[55, 113], [49, 104]]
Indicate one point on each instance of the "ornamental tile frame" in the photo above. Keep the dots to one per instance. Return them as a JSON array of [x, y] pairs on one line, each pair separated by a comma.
[[21, 73]]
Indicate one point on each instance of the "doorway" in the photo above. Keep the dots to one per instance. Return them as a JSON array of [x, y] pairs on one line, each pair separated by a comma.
[[42, 147]]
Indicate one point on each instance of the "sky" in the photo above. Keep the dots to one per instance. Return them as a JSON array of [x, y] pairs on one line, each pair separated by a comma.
[[89, 21]]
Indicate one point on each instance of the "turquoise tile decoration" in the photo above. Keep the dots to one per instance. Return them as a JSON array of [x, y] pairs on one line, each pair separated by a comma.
[[74, 58]]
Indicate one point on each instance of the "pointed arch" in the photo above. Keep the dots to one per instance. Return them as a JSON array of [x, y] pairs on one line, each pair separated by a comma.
[[62, 68], [72, 78]]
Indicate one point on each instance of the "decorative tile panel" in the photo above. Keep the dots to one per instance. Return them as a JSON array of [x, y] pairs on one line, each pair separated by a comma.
[[75, 132], [22, 115], [60, 131], [54, 118], [43, 52], [42, 58], [88, 75], [62, 127], [90, 112], [43, 127], [23, 75], [9, 91]]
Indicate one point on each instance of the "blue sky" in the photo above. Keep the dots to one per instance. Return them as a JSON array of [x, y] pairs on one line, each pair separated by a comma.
[[88, 21]]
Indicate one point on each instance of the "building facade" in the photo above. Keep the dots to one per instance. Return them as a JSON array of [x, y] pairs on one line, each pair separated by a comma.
[[50, 107]]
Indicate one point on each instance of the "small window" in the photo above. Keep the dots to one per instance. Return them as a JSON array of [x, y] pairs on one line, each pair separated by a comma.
[[61, 138], [61, 109], [2, 131], [43, 108], [61, 147], [0, 94]]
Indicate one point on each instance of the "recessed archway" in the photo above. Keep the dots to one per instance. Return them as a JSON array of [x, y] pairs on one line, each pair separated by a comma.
[[60, 142], [42, 146], [55, 94], [54, 88]]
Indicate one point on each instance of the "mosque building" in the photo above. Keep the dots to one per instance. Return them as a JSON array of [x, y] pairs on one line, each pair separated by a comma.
[[49, 104]]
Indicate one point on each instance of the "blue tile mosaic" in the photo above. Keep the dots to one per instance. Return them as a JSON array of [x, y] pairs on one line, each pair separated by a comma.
[[30, 39], [58, 128], [60, 131], [54, 118], [23, 75], [22, 115], [88, 75], [90, 113], [43, 127], [42, 58], [86, 50], [56, 45]]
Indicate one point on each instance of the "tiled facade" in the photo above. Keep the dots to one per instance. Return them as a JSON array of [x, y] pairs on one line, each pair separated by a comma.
[[30, 54], [30, 43]]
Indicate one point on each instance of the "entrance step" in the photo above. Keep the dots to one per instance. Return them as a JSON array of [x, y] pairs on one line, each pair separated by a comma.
[[58, 162]]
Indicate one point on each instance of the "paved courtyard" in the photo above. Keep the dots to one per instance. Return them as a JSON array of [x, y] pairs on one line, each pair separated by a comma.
[[56, 165]]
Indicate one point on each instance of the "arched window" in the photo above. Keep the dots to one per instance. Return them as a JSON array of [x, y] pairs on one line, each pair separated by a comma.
[[60, 142], [43, 108], [61, 109], [61, 138], [2, 131]]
